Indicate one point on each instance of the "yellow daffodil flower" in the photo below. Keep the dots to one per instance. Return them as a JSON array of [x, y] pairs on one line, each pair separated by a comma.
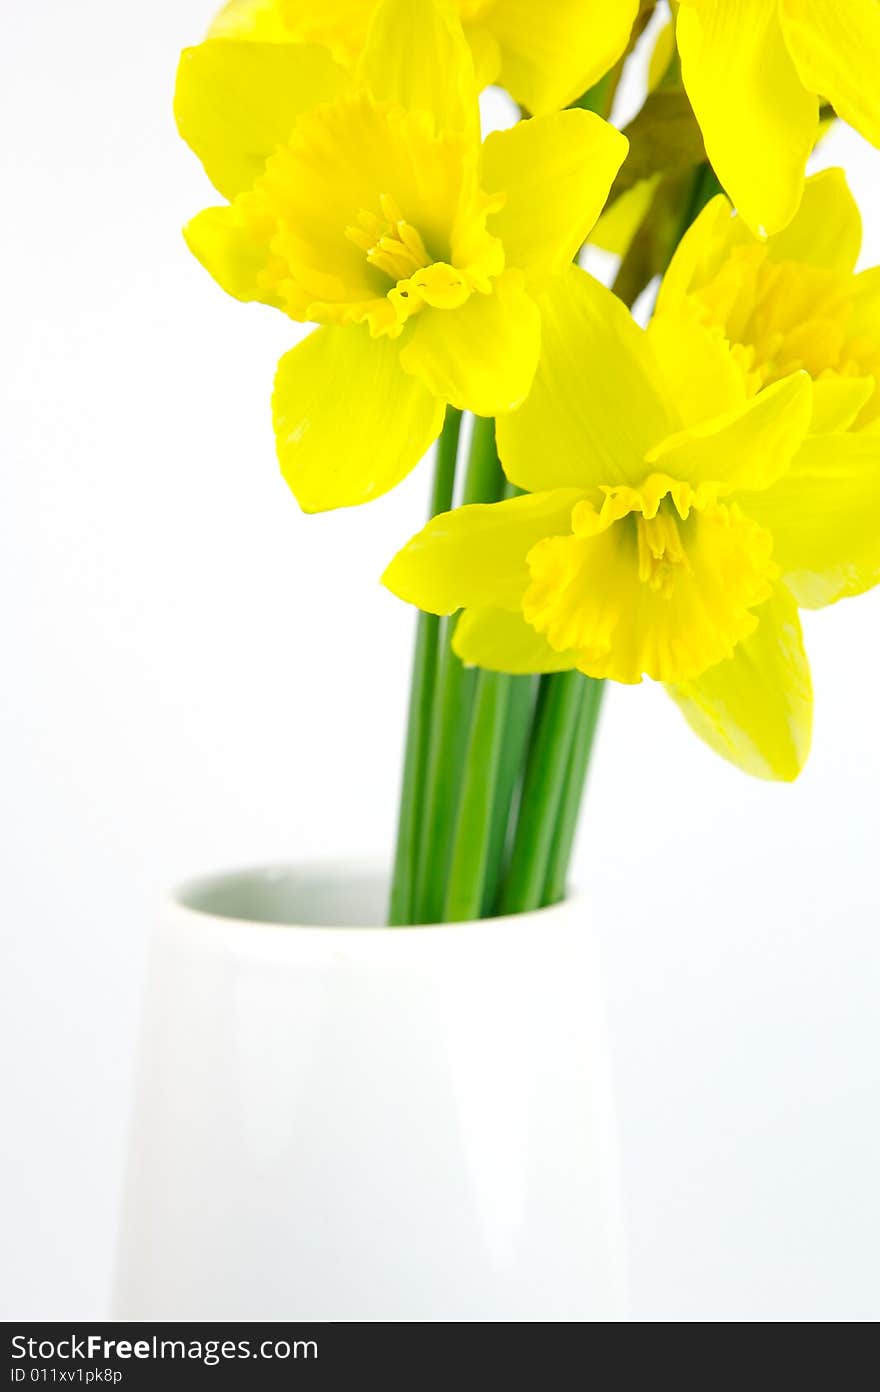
[[672, 522], [794, 302], [754, 71], [545, 54], [791, 302], [365, 203]]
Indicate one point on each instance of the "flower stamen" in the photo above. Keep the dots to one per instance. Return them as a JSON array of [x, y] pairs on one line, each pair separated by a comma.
[[390, 243], [661, 552], [661, 580]]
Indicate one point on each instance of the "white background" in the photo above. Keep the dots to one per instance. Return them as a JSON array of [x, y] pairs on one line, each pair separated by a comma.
[[197, 676]]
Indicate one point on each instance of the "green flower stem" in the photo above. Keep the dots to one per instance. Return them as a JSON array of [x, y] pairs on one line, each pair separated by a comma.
[[484, 483], [448, 742], [520, 710], [466, 885], [423, 689], [592, 693], [444, 469], [553, 728]]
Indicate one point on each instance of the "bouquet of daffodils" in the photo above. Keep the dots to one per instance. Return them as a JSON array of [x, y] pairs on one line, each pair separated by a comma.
[[609, 502]]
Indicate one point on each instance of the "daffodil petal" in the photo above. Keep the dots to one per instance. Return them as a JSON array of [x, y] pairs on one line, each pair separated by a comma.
[[826, 231], [865, 312], [349, 423], [416, 55], [341, 25], [476, 555], [258, 20], [749, 448], [501, 641], [598, 402], [701, 252], [756, 708], [824, 514], [555, 172], [484, 51], [220, 239], [863, 321], [836, 50], [758, 121], [482, 356], [838, 400], [236, 101], [552, 52], [619, 224], [702, 375]]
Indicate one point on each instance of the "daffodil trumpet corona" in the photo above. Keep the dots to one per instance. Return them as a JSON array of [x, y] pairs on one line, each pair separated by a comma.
[[611, 503]]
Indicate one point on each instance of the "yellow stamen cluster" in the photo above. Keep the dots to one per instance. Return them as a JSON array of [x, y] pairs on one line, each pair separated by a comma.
[[397, 249], [661, 552], [662, 579], [391, 244]]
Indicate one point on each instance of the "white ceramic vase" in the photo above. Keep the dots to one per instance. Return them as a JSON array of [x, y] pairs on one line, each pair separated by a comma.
[[338, 1121]]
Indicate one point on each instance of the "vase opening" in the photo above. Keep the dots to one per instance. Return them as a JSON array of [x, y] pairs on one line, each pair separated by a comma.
[[291, 896]]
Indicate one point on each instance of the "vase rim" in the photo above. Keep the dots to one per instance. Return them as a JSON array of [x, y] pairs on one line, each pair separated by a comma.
[[339, 897]]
